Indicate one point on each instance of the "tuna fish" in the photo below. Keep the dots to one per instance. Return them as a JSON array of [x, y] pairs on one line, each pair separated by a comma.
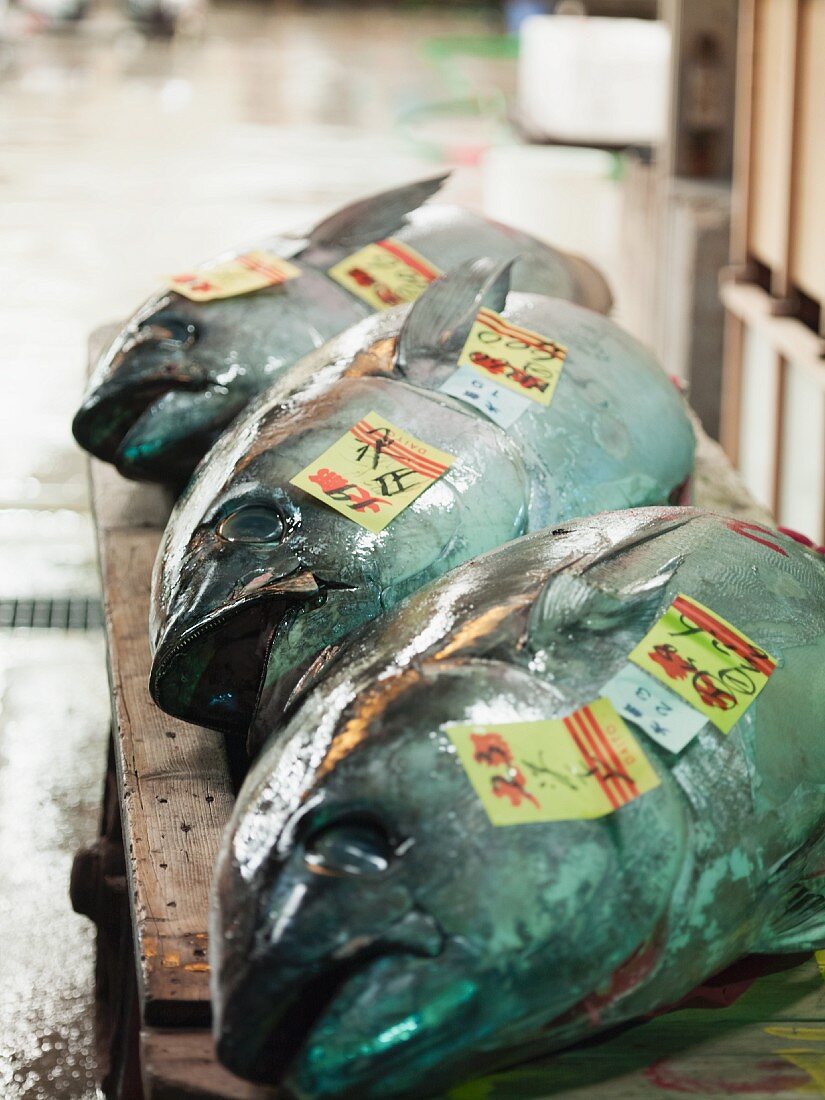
[[181, 370], [550, 794], [259, 569]]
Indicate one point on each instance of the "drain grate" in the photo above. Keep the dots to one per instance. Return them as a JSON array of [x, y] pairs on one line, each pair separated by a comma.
[[46, 614]]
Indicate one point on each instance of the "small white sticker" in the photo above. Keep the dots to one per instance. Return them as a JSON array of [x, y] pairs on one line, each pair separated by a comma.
[[667, 719], [502, 405]]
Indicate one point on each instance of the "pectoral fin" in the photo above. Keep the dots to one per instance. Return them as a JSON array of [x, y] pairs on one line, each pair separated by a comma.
[[799, 927], [572, 602], [439, 322], [799, 924], [374, 218]]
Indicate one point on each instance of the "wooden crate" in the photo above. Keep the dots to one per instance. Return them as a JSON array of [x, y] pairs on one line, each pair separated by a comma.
[[780, 149], [169, 796], [774, 293]]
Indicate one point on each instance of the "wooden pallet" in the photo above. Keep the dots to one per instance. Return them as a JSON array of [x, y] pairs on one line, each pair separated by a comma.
[[169, 795]]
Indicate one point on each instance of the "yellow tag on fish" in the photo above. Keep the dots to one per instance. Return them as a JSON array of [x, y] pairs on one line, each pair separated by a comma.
[[583, 766], [240, 275], [705, 660], [374, 472], [385, 274], [523, 361]]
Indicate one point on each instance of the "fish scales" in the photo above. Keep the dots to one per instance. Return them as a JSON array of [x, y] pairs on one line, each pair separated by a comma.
[[376, 933], [227, 632]]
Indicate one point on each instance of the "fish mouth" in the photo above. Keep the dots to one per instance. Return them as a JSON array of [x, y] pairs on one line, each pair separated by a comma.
[[213, 672], [283, 1040], [168, 460], [280, 1046], [108, 413], [145, 362], [144, 365]]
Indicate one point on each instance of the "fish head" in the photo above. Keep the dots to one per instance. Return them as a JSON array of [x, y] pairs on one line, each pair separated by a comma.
[[375, 935], [250, 564], [181, 371], [162, 390], [255, 576]]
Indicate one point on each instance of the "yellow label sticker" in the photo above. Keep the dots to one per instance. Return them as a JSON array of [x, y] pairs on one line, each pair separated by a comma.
[[385, 274], [523, 361], [705, 660], [584, 766], [374, 472], [240, 275]]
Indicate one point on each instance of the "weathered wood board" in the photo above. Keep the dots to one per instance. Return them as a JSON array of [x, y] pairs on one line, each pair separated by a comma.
[[176, 798]]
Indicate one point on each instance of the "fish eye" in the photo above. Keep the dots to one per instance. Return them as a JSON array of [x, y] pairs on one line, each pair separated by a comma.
[[168, 329], [261, 523], [349, 846]]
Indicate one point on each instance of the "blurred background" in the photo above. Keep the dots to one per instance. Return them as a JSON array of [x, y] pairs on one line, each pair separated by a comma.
[[678, 144]]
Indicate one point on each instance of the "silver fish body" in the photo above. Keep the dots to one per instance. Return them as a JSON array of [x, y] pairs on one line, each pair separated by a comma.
[[374, 934], [181, 370], [237, 619]]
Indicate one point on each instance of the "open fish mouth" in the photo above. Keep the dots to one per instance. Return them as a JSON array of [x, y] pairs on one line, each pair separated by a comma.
[[212, 673]]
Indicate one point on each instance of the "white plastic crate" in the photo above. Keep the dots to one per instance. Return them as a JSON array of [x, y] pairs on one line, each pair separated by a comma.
[[594, 81]]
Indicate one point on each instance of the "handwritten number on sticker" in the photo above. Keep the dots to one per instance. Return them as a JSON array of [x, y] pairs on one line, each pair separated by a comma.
[[586, 765], [705, 660], [373, 472], [241, 275], [384, 274], [664, 716], [517, 358]]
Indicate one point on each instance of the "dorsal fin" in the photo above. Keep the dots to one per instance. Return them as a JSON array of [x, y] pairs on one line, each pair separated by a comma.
[[440, 320], [373, 218]]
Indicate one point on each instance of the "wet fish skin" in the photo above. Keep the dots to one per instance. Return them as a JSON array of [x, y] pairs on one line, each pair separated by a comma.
[[374, 935], [616, 434], [180, 371]]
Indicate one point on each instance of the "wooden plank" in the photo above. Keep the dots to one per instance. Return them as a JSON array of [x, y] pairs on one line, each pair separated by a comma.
[[808, 213], [775, 42], [180, 1065], [778, 423], [176, 797], [789, 337], [175, 790], [742, 134], [124, 505], [731, 411]]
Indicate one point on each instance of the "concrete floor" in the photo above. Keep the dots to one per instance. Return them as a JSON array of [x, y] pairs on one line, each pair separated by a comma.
[[121, 161]]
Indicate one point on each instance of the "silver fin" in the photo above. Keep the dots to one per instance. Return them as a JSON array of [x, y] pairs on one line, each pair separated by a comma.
[[799, 927], [800, 923], [374, 218], [440, 321]]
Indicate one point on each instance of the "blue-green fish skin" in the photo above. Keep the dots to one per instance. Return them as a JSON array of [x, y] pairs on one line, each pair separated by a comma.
[[374, 935], [615, 435], [180, 371]]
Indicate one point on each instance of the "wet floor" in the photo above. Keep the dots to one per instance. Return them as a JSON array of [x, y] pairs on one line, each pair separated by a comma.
[[123, 160]]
